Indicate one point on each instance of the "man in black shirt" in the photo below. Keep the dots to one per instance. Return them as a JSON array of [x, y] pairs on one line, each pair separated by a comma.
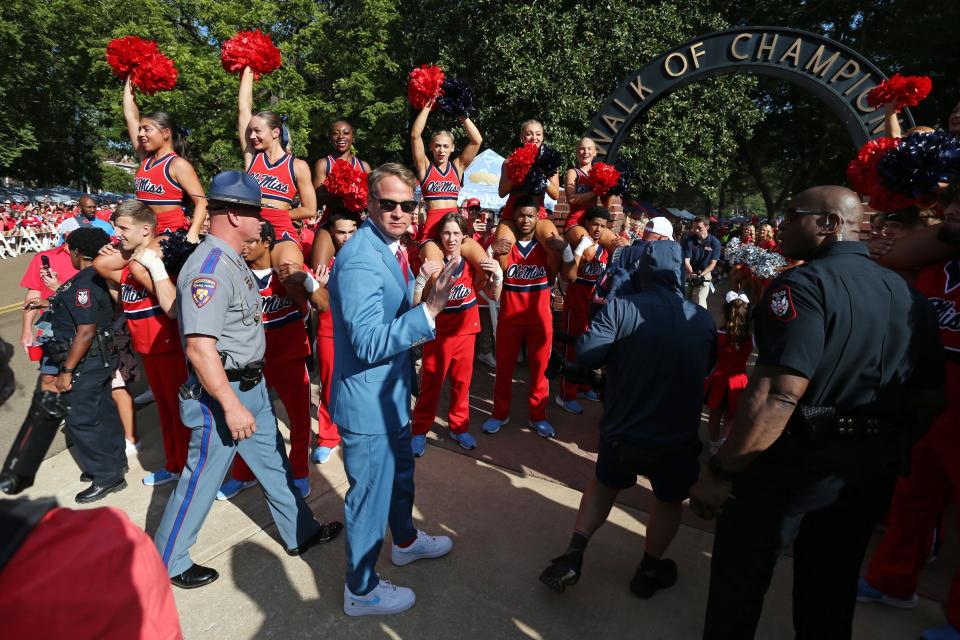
[[79, 362], [850, 372], [700, 254]]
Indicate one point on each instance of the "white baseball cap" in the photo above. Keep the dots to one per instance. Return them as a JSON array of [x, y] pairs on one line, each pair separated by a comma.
[[660, 225]]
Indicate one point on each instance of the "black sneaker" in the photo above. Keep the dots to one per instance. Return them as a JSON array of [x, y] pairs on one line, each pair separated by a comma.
[[647, 582], [564, 572]]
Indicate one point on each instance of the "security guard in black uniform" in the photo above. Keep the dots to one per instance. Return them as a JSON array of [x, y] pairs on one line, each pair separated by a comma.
[[79, 360], [850, 373]]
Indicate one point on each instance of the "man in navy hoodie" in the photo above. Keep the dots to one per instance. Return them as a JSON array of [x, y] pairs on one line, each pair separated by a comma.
[[657, 348]]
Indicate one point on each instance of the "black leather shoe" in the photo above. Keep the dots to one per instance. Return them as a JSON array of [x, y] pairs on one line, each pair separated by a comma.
[[563, 572], [195, 576], [99, 491], [327, 532]]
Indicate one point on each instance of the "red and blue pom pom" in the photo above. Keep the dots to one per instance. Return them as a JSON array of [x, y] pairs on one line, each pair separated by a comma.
[[252, 49], [349, 184], [917, 166], [902, 91]]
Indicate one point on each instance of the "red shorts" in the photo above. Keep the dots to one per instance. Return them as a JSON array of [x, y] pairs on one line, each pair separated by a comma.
[[507, 212], [430, 230], [282, 224], [574, 218], [173, 220]]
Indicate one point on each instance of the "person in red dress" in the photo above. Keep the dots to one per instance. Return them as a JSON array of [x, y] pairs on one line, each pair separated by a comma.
[[268, 157], [451, 352], [284, 295], [525, 317], [164, 176], [729, 378], [591, 265], [340, 228], [148, 297]]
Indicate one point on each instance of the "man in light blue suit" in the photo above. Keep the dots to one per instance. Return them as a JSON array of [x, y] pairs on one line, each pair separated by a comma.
[[371, 289]]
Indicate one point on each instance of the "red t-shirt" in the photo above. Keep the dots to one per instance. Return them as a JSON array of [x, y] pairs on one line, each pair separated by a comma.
[[59, 264], [460, 317]]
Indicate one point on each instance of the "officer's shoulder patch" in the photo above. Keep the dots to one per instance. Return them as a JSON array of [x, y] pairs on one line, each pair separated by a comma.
[[781, 304], [83, 298], [202, 289]]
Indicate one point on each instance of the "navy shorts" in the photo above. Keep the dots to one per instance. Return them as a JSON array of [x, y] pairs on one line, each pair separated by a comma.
[[671, 473]]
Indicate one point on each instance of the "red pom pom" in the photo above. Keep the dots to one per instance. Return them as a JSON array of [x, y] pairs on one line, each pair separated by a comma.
[[156, 72], [883, 199], [902, 91], [862, 170], [348, 184], [424, 85], [124, 54], [252, 49], [602, 178], [520, 161]]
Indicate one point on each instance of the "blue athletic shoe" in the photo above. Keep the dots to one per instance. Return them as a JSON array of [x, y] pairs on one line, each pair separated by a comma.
[[946, 632], [303, 485], [543, 428], [868, 593], [158, 478], [231, 487], [418, 444], [591, 395], [465, 439], [320, 455], [570, 406], [493, 425]]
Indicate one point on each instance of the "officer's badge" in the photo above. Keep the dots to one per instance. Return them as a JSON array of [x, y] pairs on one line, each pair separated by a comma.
[[781, 305], [201, 290], [83, 298]]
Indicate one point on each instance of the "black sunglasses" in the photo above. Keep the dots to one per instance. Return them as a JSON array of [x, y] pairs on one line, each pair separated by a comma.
[[407, 206]]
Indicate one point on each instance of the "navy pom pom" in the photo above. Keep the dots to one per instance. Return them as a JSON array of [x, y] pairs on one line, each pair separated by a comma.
[[627, 175], [536, 182], [176, 249], [456, 100], [920, 162], [548, 161]]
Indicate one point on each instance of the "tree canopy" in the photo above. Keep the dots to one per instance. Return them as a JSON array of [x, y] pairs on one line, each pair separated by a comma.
[[707, 144]]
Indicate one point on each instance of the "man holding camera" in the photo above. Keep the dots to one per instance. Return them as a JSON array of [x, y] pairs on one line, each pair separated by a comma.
[[700, 254], [657, 348]]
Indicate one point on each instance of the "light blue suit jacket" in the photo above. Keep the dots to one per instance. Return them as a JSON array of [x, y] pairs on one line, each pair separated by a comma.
[[375, 327]]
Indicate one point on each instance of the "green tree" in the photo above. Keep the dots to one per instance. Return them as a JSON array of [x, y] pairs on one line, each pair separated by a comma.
[[115, 179]]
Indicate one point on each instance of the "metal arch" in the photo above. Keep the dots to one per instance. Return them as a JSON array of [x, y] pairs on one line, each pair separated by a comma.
[[769, 52]]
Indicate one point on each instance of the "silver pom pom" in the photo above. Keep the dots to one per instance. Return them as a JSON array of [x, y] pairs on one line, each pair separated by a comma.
[[763, 264]]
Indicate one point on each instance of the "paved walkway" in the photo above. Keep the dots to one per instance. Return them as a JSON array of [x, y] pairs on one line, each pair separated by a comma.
[[509, 508]]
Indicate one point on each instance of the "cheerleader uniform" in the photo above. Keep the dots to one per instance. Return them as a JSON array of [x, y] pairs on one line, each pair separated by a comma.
[[285, 368], [576, 304], [278, 184], [156, 337], [438, 185], [154, 186], [724, 385], [327, 433], [450, 353], [580, 186]]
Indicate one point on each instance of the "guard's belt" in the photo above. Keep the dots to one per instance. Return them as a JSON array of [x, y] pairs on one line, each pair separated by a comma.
[[828, 421]]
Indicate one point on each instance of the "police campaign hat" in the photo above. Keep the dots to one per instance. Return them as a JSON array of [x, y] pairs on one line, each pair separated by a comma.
[[234, 187]]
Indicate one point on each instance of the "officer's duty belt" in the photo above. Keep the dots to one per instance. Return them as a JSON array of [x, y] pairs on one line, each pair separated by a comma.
[[827, 421]]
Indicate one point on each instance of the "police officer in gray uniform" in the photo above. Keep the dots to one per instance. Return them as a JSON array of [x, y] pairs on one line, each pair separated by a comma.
[[224, 400]]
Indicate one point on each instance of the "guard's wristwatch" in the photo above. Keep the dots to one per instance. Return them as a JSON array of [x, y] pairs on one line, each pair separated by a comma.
[[716, 469], [67, 370]]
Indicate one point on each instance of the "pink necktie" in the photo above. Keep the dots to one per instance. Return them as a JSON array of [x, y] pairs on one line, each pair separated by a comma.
[[404, 267]]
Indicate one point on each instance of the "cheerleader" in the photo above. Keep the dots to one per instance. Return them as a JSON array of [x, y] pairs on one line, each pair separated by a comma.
[[766, 240], [748, 235], [580, 198], [729, 378], [341, 140], [457, 328], [441, 177], [267, 155], [164, 176]]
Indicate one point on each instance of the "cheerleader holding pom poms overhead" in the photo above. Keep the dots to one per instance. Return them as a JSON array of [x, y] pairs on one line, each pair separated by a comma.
[[164, 176], [441, 177], [282, 177]]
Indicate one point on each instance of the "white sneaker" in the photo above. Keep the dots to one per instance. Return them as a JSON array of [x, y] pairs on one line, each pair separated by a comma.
[[132, 448], [423, 547], [385, 599]]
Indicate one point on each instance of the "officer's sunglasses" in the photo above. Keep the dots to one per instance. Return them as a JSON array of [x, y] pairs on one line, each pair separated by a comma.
[[792, 213], [407, 206]]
